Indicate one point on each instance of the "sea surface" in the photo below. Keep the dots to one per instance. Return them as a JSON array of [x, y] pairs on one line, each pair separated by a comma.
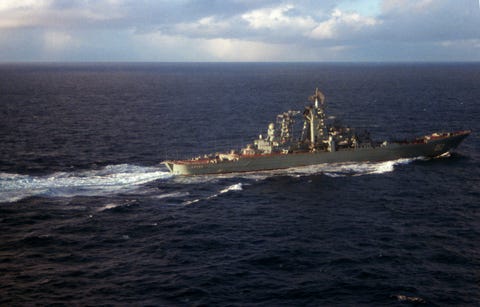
[[90, 216]]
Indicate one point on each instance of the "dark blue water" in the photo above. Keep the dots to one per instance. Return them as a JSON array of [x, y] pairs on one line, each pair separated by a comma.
[[88, 216]]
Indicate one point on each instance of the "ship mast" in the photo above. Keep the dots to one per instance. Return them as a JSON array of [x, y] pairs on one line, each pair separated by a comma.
[[315, 116]]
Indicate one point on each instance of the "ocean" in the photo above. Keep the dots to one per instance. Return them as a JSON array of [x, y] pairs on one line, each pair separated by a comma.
[[90, 216]]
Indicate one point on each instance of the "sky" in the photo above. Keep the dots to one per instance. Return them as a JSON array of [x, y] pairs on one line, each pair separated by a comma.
[[240, 30]]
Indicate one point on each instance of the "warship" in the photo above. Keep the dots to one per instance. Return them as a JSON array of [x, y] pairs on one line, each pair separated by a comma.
[[316, 140]]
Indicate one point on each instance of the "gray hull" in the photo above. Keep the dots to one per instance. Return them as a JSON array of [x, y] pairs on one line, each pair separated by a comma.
[[388, 152]]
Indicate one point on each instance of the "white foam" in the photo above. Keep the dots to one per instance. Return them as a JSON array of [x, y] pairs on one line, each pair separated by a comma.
[[108, 206], [329, 169], [351, 169], [171, 195], [445, 155], [108, 180], [233, 187], [189, 202]]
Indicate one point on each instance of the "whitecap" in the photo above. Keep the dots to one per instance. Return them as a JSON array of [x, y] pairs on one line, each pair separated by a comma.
[[108, 207], [233, 187], [189, 202], [171, 195]]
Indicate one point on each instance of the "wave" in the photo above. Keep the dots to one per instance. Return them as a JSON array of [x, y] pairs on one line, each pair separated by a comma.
[[233, 187], [171, 195], [110, 206], [106, 181]]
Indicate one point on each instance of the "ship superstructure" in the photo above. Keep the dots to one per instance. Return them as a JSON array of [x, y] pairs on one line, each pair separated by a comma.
[[316, 135]]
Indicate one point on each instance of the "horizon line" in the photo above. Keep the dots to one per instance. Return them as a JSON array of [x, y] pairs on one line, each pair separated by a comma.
[[243, 62]]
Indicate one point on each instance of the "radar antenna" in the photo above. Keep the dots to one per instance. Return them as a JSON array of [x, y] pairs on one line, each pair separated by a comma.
[[317, 97]]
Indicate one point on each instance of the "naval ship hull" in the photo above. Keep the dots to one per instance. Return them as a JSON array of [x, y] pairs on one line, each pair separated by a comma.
[[250, 163]]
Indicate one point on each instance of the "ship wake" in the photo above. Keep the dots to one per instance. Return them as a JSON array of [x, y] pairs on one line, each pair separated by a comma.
[[113, 179], [125, 178], [351, 169]]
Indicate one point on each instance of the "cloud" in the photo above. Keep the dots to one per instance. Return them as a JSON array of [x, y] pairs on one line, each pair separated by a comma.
[[341, 24], [209, 26], [273, 24], [275, 18]]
